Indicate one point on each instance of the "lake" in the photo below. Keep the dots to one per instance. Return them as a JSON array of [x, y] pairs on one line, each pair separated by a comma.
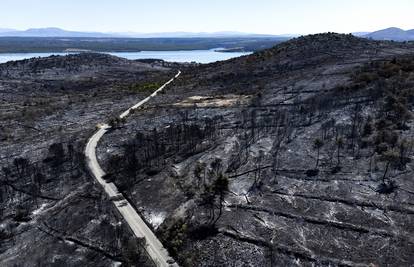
[[199, 56]]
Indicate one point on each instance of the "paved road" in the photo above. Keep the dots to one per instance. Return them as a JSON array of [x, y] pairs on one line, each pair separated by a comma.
[[154, 247]]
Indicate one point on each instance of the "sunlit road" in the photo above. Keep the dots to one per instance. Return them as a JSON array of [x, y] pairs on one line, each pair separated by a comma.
[[154, 247]]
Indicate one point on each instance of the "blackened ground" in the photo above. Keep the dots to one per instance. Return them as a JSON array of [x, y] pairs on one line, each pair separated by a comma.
[[304, 134]]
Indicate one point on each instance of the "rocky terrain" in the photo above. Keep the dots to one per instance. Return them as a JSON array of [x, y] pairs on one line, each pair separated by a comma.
[[299, 155]]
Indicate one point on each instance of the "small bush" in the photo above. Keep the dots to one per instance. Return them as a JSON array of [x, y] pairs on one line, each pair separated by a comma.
[[312, 172], [336, 169], [21, 215], [387, 188], [202, 232]]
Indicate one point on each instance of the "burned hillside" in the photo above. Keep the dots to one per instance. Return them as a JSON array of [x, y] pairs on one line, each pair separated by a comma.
[[297, 155], [51, 211]]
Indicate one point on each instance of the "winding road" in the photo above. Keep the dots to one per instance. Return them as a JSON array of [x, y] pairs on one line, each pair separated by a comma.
[[154, 247]]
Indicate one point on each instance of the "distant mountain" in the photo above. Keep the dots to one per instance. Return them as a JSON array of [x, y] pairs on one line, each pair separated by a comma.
[[57, 32], [395, 34], [52, 32]]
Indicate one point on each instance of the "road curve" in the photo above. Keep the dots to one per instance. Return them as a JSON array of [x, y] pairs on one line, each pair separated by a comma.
[[154, 247]]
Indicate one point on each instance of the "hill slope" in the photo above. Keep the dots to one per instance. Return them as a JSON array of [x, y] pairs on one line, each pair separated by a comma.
[[312, 141], [298, 155], [51, 212]]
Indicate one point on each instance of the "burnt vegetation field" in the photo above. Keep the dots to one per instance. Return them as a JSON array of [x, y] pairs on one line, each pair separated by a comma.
[[298, 155], [49, 108]]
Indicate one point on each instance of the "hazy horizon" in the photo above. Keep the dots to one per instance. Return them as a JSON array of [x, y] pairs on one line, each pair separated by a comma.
[[156, 16], [136, 32], [286, 34]]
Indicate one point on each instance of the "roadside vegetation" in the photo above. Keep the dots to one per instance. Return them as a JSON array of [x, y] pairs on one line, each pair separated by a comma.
[[146, 87]]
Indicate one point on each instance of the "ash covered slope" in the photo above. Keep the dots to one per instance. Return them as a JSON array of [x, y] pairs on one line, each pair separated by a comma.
[[51, 212], [313, 140]]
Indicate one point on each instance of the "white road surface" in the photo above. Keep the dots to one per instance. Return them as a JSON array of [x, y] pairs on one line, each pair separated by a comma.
[[154, 247]]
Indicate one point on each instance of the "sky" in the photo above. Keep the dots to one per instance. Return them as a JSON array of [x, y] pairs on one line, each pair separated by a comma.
[[252, 16]]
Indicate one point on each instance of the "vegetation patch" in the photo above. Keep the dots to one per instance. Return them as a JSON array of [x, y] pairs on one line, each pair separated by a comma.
[[145, 88]]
